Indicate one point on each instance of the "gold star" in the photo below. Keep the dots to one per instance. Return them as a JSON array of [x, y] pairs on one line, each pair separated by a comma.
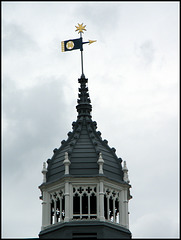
[[80, 28]]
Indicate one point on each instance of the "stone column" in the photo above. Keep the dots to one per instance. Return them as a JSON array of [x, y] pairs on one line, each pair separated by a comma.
[[126, 208], [45, 210], [67, 202], [122, 217], [101, 201], [71, 201]]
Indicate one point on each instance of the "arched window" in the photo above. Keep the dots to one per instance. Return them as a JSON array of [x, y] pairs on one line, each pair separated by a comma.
[[57, 207], [84, 202], [111, 205]]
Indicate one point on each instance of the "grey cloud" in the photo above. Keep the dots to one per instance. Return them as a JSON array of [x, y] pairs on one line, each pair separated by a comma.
[[16, 39], [146, 52], [152, 225], [33, 118], [36, 120], [101, 16]]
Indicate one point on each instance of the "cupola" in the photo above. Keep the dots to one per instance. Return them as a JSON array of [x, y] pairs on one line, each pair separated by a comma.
[[85, 190]]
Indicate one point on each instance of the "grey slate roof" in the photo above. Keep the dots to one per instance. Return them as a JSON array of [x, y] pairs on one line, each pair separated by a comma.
[[83, 145]]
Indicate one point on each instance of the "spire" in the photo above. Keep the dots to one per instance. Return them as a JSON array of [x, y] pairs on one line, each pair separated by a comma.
[[84, 107]]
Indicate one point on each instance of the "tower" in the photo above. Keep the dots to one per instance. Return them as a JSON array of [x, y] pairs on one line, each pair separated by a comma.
[[85, 189]]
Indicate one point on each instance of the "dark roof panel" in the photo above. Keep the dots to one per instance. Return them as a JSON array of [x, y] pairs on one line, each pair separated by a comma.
[[83, 149], [84, 144]]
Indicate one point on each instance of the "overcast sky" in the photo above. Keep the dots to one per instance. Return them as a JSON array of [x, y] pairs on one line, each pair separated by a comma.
[[133, 72]]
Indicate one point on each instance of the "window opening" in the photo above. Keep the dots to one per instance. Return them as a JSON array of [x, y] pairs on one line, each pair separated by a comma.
[[111, 209], [117, 210], [63, 207], [52, 212], [76, 204], [57, 207], [93, 204], [58, 210], [84, 204], [105, 206], [111, 205]]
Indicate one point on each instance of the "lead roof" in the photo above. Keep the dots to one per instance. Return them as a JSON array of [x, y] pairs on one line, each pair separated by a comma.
[[84, 145]]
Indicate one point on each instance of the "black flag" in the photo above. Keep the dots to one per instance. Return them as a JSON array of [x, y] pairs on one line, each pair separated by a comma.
[[71, 44]]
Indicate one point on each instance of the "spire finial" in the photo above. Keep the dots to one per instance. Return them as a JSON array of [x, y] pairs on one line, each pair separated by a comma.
[[100, 163], [125, 170], [80, 28], [66, 162], [44, 171]]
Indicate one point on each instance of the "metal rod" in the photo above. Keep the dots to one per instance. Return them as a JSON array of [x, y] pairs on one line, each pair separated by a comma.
[[82, 62], [82, 56]]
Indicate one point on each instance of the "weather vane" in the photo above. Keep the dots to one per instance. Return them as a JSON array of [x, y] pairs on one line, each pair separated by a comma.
[[73, 44]]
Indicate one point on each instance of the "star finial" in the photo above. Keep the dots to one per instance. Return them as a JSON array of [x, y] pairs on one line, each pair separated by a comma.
[[80, 28]]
